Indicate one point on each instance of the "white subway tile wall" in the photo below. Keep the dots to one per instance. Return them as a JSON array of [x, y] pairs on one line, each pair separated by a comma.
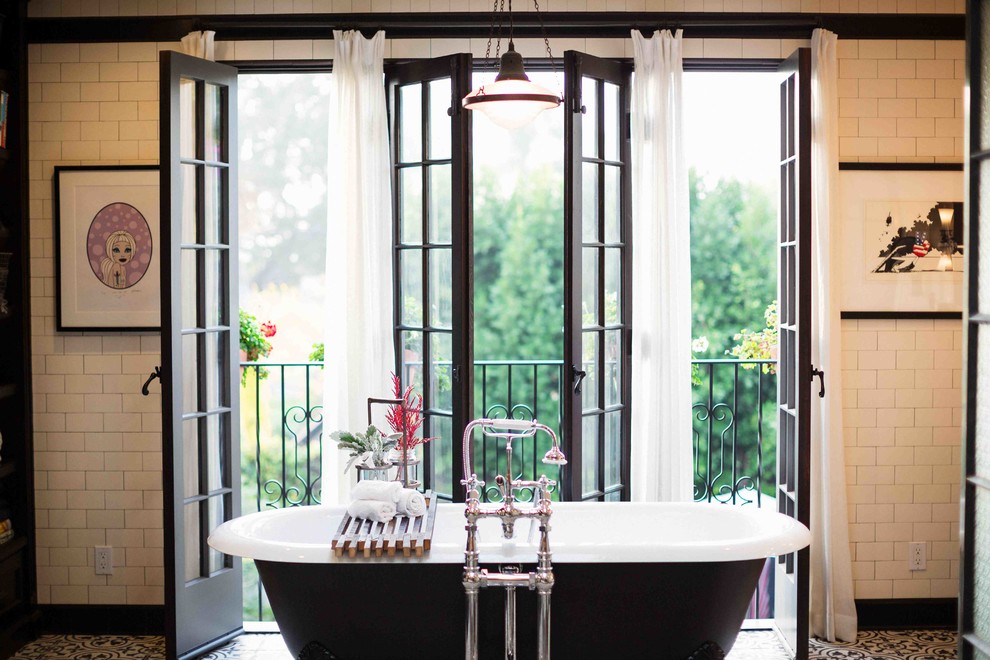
[[901, 101], [98, 441], [902, 407]]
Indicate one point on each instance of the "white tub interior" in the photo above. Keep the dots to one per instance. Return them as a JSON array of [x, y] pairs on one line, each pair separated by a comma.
[[580, 533]]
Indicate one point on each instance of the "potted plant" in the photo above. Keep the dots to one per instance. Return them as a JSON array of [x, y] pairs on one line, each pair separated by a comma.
[[368, 449], [254, 342]]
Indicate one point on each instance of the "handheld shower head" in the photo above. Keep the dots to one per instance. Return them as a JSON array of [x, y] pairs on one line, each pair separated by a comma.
[[555, 456]]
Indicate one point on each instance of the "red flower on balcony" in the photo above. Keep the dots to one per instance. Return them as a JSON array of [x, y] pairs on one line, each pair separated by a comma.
[[268, 329], [406, 418]]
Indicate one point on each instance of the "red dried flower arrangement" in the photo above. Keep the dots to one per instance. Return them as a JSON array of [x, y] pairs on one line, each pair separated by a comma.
[[406, 418]]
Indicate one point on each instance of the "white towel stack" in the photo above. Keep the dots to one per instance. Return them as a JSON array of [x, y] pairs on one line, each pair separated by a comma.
[[406, 501], [372, 510]]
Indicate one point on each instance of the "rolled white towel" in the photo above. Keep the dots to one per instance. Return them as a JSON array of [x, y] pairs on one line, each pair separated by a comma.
[[411, 502], [383, 491], [372, 510]]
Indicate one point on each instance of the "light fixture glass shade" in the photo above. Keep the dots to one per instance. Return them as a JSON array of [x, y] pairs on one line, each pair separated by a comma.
[[945, 262], [511, 103], [945, 214]]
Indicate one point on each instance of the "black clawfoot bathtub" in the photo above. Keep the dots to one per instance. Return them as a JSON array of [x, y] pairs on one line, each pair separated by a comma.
[[633, 581]]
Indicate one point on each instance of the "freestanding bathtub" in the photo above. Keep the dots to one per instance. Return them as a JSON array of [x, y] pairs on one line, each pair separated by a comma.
[[633, 581]]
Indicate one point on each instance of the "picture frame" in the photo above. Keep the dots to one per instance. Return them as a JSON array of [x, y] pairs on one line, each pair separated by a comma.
[[107, 256], [895, 256]]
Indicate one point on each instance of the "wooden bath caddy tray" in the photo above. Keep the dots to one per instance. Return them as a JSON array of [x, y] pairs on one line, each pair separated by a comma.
[[410, 536]]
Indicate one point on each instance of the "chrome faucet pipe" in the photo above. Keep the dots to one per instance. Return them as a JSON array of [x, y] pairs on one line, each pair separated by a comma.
[[475, 578]]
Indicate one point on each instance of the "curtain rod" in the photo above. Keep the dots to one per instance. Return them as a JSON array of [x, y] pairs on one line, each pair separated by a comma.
[[476, 25]]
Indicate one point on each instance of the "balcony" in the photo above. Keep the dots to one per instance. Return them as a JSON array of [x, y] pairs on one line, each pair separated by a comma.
[[734, 433]]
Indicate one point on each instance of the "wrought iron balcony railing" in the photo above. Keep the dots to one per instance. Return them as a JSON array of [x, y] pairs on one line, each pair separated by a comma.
[[734, 431]]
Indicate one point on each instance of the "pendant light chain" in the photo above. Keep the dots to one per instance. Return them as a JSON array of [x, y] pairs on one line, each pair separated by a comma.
[[498, 8], [546, 42]]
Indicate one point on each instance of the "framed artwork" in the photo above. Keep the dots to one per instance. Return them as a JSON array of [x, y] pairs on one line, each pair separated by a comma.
[[107, 227], [901, 240]]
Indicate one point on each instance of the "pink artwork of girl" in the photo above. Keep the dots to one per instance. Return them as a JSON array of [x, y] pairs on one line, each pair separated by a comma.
[[119, 246]]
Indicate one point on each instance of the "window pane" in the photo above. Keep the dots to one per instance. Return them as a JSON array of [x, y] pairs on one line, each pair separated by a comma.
[[613, 286], [411, 205], [411, 124], [981, 562], [589, 363], [216, 451], [190, 457], [613, 448], [189, 204], [411, 273], [190, 374], [613, 367], [443, 454], [217, 348], [612, 122], [440, 288], [214, 288], [412, 360], [190, 541], [440, 201], [214, 199], [218, 511], [589, 287], [214, 123], [589, 202], [439, 119], [440, 382], [589, 456], [613, 205], [187, 258], [589, 122], [187, 118]]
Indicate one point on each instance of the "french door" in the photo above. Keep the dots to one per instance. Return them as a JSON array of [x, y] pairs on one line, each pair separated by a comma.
[[432, 233], [794, 371], [597, 255], [974, 590], [199, 350]]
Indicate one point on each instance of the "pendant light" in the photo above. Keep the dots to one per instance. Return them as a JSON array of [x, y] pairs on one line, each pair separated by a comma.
[[512, 100]]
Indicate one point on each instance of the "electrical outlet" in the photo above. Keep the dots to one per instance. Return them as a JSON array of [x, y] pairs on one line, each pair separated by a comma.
[[917, 556], [103, 559]]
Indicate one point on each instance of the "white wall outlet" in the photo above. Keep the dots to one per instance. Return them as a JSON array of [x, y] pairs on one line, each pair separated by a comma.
[[103, 559], [917, 556]]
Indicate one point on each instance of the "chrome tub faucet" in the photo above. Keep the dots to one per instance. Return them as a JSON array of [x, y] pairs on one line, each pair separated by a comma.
[[507, 512]]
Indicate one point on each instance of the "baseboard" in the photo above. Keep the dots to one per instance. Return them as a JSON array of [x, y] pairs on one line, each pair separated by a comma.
[[907, 613], [103, 619]]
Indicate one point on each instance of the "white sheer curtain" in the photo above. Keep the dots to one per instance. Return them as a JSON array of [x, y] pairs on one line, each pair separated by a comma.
[[359, 352], [833, 610], [199, 44], [661, 273]]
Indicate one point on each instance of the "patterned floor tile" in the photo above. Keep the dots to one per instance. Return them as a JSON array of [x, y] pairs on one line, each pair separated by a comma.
[[751, 645]]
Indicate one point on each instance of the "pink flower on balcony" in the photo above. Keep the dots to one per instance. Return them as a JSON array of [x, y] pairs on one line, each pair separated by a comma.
[[268, 329]]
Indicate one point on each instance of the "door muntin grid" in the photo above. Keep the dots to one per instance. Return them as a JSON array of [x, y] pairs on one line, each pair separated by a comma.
[[205, 329], [424, 261]]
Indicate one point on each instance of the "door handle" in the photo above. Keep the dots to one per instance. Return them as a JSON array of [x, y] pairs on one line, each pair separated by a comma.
[[821, 380], [577, 375], [157, 373]]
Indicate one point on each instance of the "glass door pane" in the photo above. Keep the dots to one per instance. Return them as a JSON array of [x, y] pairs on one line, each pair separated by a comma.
[[597, 267], [431, 229]]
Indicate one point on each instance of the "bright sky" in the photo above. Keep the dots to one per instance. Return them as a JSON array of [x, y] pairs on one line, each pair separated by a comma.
[[731, 124]]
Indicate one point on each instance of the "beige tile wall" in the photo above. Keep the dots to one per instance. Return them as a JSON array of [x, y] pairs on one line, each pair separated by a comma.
[[901, 101], [57, 8], [98, 450], [98, 442], [903, 412]]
